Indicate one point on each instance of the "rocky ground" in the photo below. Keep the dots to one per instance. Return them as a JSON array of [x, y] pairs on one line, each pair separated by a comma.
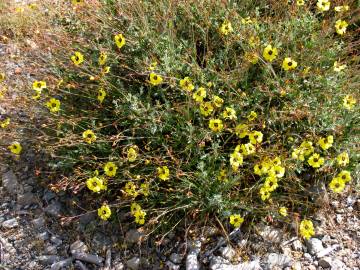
[[37, 233]]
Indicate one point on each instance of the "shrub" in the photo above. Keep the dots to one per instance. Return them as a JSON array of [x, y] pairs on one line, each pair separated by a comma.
[[174, 109]]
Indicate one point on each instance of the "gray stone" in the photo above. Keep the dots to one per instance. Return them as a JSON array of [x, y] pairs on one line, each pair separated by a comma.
[[101, 242], [171, 266], [107, 265], [26, 198], [79, 247], [118, 266], [133, 263], [325, 262], [192, 262], [270, 234], [38, 222], [53, 209], [89, 258], [10, 223], [326, 251], [209, 231], [337, 264], [308, 257], [61, 264], [51, 250], [10, 182], [43, 236], [297, 245], [133, 236], [314, 246], [48, 196], [79, 265], [228, 252], [219, 263], [279, 260], [48, 259], [56, 241], [176, 258]]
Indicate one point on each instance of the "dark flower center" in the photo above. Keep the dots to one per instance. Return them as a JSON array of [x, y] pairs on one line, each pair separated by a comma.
[[111, 168], [89, 135], [53, 105], [289, 64], [337, 185], [316, 160], [344, 176], [270, 52], [155, 77]]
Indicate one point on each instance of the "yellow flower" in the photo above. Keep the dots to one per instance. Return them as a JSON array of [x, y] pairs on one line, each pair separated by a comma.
[[300, 2], [246, 20], [256, 137], [242, 130], [246, 149], [131, 154], [253, 58], [77, 58], [326, 143], [337, 185], [53, 105], [349, 102], [104, 212], [222, 176], [341, 8], [105, 70], [276, 161], [343, 159], [236, 160], [163, 173], [338, 67], [344, 176], [145, 189], [283, 211], [270, 53], [2, 77], [153, 65], [289, 64], [217, 101], [236, 220], [226, 28], [134, 208], [199, 95], [277, 171], [119, 40], [316, 161], [110, 169], [102, 58], [77, 2], [130, 189], [271, 183], [186, 84], [229, 113], [38, 95], [15, 148], [5, 123], [323, 5], [39, 85], [264, 193], [101, 95], [140, 217], [307, 147], [206, 108], [95, 184], [216, 125], [254, 41], [341, 26], [89, 136], [252, 116], [261, 168], [298, 153], [155, 79], [306, 229]]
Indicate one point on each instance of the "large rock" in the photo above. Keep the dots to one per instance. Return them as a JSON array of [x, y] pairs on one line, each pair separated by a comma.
[[279, 260], [133, 263], [270, 234], [192, 262], [314, 246], [10, 182]]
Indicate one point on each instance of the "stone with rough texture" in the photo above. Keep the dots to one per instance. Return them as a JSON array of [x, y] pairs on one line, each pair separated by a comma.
[[175, 258], [270, 234], [172, 266], [53, 209], [133, 236], [61, 264], [10, 182], [10, 223], [219, 263], [133, 263], [192, 262], [279, 260], [89, 258], [228, 252], [314, 246], [48, 259], [325, 262], [78, 246]]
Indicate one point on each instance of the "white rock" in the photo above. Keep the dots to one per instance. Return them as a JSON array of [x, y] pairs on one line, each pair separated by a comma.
[[133, 263], [270, 234], [337, 264], [175, 258], [192, 262], [172, 266], [280, 260], [297, 245], [314, 246], [326, 251], [228, 252], [10, 223], [78, 246]]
